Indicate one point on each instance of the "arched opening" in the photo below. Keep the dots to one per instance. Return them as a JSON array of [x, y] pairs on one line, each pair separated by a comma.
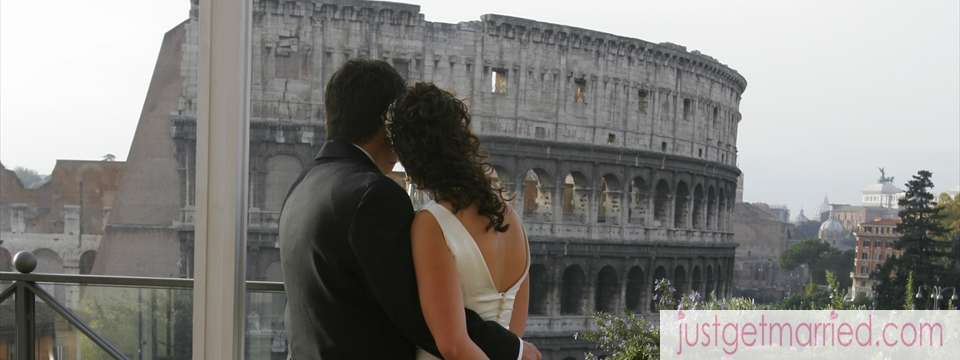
[[721, 211], [48, 262], [281, 172], [679, 282], [720, 290], [608, 200], [540, 287], [607, 290], [639, 201], [500, 178], [86, 261], [536, 196], [273, 272], [709, 289], [697, 282], [6, 261], [634, 288], [658, 274], [711, 208], [572, 291], [698, 202], [681, 206], [661, 204], [576, 198]]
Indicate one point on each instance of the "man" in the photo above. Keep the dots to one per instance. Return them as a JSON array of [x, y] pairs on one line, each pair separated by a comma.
[[345, 239]]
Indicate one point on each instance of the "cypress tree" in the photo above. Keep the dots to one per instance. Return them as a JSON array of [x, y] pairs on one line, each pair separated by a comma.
[[921, 225]]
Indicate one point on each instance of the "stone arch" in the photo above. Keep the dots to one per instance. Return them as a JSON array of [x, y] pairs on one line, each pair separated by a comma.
[[608, 200], [281, 172], [634, 293], [537, 192], [661, 203], [86, 261], [639, 201], [607, 291], [698, 203], [273, 271], [679, 282], [500, 177], [681, 206], [710, 281], [721, 210], [540, 289], [719, 290], [6, 261], [48, 262], [711, 208], [576, 197], [659, 273], [572, 291], [695, 285]]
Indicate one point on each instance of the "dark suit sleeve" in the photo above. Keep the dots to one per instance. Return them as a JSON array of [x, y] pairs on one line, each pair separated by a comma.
[[380, 240]]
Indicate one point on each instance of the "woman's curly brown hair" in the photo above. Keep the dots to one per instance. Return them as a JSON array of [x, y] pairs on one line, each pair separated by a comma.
[[430, 130]]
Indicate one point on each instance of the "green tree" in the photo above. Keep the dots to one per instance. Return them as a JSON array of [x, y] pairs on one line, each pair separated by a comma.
[[950, 210], [925, 253], [30, 178], [821, 257], [836, 262], [804, 252]]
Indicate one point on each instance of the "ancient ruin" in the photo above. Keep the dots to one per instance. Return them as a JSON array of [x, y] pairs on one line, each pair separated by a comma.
[[622, 152]]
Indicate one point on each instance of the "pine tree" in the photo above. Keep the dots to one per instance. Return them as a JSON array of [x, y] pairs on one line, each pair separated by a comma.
[[920, 226]]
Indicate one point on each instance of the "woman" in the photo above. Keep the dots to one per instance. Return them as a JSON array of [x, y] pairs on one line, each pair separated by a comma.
[[469, 247]]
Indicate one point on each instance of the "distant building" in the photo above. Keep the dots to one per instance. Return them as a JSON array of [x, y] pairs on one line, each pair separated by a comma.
[[739, 195], [882, 194], [832, 231], [851, 216], [62, 221], [761, 237], [823, 211], [800, 218], [874, 246]]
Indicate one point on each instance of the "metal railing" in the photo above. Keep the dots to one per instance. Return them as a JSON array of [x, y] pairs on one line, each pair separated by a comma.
[[25, 289]]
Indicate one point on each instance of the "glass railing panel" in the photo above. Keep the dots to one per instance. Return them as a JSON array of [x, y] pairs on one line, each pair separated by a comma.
[[266, 337], [8, 327], [141, 322]]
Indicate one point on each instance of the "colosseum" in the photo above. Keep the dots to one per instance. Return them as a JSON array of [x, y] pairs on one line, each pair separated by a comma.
[[622, 152]]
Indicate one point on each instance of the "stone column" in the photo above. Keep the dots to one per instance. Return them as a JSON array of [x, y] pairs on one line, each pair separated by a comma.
[[17, 223], [71, 220], [545, 203], [581, 204], [612, 208]]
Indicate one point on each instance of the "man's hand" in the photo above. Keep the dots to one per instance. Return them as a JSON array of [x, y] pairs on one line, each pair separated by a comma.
[[530, 352]]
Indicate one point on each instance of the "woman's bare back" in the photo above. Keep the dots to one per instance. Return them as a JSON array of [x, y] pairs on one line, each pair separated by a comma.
[[505, 253]]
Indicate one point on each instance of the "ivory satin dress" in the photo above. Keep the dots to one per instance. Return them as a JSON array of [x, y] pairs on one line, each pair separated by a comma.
[[476, 285]]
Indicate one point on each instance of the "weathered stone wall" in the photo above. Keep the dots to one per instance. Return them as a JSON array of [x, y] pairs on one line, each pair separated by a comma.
[[761, 238], [54, 207]]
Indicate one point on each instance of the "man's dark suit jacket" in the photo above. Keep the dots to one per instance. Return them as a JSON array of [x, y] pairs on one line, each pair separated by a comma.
[[348, 267]]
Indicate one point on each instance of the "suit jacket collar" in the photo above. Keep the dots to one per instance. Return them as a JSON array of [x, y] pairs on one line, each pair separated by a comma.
[[335, 149]]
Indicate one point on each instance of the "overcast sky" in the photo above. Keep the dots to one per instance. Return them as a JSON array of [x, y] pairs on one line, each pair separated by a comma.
[[835, 88]]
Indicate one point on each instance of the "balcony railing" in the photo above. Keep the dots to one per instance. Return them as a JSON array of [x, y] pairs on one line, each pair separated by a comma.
[[63, 316]]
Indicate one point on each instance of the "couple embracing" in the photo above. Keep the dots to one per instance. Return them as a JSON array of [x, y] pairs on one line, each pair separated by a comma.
[[368, 278]]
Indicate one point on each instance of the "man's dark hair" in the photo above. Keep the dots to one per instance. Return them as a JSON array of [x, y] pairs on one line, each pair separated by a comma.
[[358, 96]]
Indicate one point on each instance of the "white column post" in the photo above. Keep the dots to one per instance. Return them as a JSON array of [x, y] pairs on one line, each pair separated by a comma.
[[223, 91]]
